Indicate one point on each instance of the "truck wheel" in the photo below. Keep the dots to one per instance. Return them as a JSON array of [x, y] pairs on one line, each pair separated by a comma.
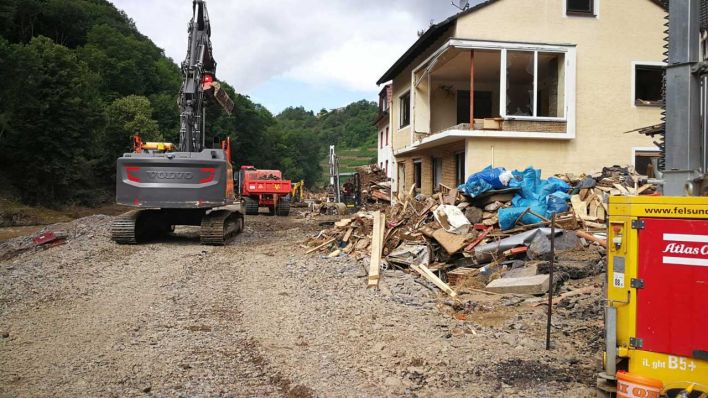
[[283, 208], [251, 207]]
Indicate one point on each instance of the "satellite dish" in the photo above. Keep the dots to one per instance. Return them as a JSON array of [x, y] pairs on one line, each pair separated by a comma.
[[461, 4]]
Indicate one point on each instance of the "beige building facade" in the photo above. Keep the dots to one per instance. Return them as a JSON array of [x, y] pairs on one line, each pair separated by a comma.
[[552, 84]]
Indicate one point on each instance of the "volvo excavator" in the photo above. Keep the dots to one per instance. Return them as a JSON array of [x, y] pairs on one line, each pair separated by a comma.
[[193, 185]]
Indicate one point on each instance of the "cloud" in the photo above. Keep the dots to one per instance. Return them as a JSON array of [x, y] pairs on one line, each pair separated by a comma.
[[342, 43]]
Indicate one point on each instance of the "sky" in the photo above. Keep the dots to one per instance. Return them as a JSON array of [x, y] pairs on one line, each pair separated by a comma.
[[312, 53]]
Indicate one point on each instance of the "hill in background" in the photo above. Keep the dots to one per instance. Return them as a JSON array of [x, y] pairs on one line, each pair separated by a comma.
[[79, 80]]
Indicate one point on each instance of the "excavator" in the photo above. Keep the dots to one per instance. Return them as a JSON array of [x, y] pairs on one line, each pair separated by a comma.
[[193, 185]]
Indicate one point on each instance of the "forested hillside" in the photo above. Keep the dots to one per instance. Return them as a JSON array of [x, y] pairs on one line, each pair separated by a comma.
[[79, 80]]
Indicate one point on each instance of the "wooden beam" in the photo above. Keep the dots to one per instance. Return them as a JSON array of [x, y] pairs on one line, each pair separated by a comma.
[[429, 275], [376, 248], [320, 246], [471, 89]]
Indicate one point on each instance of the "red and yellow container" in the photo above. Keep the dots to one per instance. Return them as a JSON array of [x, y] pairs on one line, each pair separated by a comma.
[[635, 386]]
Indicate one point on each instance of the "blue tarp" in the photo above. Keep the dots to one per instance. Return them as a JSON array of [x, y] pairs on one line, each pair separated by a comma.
[[482, 181], [543, 197]]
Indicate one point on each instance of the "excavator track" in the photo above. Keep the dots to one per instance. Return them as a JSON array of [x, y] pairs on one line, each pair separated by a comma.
[[219, 226], [123, 229], [139, 226]]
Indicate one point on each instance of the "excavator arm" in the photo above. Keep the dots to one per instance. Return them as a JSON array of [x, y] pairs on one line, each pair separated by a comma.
[[198, 70]]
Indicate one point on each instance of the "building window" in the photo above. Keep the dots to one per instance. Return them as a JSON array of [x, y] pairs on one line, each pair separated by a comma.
[[386, 136], [459, 168], [437, 173], [580, 7], [648, 80], [645, 162], [381, 139], [535, 84], [401, 177], [417, 173], [386, 169], [405, 109]]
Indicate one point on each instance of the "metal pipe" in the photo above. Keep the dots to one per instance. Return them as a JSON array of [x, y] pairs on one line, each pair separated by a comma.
[[611, 340], [550, 282]]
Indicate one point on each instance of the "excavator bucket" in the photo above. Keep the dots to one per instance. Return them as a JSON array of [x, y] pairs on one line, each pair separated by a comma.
[[222, 97]]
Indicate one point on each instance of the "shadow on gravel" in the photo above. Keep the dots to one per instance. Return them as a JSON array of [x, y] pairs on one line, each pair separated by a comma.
[[521, 373]]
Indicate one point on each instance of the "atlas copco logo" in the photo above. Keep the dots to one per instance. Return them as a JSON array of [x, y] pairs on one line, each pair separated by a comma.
[[170, 175], [680, 248], [685, 249]]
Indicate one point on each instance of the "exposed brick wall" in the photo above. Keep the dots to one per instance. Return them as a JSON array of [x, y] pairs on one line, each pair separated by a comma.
[[444, 152], [534, 126]]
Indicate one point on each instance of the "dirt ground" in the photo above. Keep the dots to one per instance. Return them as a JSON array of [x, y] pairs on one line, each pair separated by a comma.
[[259, 317]]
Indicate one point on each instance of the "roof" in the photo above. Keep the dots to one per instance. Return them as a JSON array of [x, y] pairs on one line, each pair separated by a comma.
[[435, 32]]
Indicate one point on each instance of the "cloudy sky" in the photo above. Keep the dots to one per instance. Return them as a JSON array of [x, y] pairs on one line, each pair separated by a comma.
[[315, 53]]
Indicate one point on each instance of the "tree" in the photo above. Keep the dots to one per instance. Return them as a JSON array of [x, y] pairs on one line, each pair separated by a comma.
[[54, 118]]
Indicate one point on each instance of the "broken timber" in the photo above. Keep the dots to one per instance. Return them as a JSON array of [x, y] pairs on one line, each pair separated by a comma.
[[376, 247], [429, 275]]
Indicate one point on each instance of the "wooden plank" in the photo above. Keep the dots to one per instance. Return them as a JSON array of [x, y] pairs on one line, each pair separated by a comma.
[[452, 243], [376, 247], [429, 275], [314, 249], [621, 188], [451, 197], [480, 237], [347, 235], [644, 188]]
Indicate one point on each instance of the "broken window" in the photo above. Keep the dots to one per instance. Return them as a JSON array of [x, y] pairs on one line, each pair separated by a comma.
[[580, 7], [437, 173], [519, 83], [405, 110], [551, 85], [460, 168], [401, 177], [417, 173], [648, 80], [645, 162]]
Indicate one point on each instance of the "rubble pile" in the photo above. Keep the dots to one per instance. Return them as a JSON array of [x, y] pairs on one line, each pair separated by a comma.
[[375, 186], [590, 193], [487, 235]]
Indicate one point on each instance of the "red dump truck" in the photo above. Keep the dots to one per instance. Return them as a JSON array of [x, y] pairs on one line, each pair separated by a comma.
[[264, 188]]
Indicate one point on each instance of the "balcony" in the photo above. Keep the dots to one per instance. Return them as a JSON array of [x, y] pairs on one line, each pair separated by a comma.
[[518, 90]]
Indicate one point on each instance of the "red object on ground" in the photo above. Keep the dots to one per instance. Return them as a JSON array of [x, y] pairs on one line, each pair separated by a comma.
[[672, 293], [44, 238]]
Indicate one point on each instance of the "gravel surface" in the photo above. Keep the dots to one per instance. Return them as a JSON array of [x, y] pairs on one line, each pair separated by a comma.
[[260, 318]]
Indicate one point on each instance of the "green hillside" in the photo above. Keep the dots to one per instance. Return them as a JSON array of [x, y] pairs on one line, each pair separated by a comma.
[[73, 94]]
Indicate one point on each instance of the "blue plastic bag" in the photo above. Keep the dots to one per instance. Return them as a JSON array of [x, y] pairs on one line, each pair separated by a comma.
[[543, 197], [483, 181], [557, 202]]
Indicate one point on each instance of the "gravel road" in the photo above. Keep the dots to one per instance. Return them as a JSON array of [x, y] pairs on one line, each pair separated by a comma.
[[258, 317]]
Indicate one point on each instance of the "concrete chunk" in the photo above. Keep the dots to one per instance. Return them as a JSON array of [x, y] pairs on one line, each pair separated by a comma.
[[529, 270], [537, 284]]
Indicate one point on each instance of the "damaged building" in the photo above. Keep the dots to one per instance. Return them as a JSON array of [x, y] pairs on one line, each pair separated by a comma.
[[513, 83]]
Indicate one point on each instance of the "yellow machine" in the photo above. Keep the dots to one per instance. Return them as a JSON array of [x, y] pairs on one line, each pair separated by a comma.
[[657, 294], [297, 192]]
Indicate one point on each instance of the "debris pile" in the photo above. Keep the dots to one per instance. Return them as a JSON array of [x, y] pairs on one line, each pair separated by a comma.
[[375, 186], [491, 233], [590, 194]]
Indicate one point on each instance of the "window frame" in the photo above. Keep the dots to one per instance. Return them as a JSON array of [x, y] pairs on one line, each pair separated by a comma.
[[460, 168], [633, 96], [503, 79], [418, 174], [436, 165], [401, 122], [578, 13]]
